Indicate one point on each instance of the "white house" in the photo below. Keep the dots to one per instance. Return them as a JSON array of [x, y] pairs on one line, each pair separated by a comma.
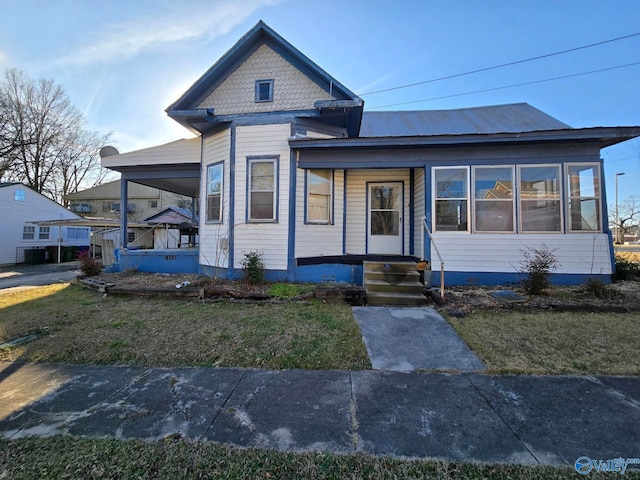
[[291, 166], [21, 238]]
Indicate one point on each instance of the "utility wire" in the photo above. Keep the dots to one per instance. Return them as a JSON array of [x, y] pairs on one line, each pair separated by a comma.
[[507, 86], [502, 65]]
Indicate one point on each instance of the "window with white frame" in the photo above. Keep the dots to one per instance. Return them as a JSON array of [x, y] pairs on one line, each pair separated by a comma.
[[540, 199], [451, 192], [493, 199], [19, 195], [319, 191], [77, 233], [262, 190], [214, 192], [584, 197], [44, 233], [29, 232]]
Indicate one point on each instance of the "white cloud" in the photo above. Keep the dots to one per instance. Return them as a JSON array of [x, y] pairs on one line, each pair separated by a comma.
[[127, 40]]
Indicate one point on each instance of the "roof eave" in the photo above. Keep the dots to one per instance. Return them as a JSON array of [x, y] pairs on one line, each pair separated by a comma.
[[605, 136]]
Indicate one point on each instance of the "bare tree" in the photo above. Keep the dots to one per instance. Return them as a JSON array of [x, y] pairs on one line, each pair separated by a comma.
[[628, 217], [45, 144]]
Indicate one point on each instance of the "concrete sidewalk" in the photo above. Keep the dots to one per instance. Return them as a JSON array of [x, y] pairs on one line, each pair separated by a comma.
[[468, 417]]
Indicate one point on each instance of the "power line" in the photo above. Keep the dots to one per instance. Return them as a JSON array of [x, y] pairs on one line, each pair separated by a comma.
[[502, 65], [507, 86]]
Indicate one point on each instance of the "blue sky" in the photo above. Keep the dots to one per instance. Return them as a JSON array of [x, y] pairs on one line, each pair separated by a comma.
[[123, 62]]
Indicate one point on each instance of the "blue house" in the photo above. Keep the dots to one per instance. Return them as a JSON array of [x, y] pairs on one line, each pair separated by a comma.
[[287, 163]]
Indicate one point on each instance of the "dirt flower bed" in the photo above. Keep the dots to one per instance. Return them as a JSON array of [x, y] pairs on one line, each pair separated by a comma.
[[617, 297]]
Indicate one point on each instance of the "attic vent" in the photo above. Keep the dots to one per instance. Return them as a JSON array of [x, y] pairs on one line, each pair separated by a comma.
[[264, 90]]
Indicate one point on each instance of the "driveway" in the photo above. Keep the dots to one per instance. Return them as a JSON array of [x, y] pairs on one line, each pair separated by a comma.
[[26, 276]]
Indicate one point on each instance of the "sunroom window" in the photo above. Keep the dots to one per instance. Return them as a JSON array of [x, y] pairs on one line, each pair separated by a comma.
[[584, 197], [319, 185], [540, 204], [493, 199], [451, 187]]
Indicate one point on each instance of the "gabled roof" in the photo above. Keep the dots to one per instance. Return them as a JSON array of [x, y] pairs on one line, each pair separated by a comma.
[[172, 215], [510, 118], [8, 184], [186, 112]]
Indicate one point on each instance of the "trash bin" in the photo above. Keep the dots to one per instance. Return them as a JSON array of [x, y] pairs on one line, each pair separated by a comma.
[[69, 253], [35, 256]]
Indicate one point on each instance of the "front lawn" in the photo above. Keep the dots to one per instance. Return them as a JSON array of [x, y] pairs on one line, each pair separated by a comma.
[[69, 457], [547, 342], [77, 325]]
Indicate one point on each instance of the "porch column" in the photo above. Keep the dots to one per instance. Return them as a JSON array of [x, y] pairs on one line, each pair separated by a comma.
[[124, 194]]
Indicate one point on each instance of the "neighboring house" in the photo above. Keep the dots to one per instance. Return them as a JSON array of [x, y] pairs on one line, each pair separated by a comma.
[[104, 200], [287, 164], [21, 238], [174, 227]]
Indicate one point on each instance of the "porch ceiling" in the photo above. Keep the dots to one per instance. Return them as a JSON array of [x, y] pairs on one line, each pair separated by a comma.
[[183, 179]]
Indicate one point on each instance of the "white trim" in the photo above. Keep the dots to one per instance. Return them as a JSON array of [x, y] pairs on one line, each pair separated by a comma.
[[434, 197], [558, 166], [568, 197]]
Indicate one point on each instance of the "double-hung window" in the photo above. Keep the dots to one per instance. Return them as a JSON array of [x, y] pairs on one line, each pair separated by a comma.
[[584, 197], [319, 191], [44, 233], [29, 232], [493, 199], [451, 188], [262, 181], [214, 192], [540, 204]]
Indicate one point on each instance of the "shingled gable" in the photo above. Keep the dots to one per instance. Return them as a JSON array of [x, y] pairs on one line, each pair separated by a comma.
[[226, 91]]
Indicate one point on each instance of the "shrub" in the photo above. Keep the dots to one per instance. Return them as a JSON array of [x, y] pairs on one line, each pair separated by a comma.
[[600, 290], [253, 268], [537, 266], [88, 265], [625, 269]]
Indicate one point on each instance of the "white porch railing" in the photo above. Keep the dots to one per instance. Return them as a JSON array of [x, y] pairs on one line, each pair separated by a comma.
[[425, 228]]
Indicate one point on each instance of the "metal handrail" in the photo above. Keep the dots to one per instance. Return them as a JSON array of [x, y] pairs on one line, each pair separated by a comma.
[[425, 228]]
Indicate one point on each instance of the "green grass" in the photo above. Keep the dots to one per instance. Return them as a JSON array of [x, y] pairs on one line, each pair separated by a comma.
[[79, 458], [543, 342], [78, 325]]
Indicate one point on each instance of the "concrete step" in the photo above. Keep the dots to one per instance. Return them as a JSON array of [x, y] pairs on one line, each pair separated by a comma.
[[393, 278], [390, 267], [384, 286], [399, 299]]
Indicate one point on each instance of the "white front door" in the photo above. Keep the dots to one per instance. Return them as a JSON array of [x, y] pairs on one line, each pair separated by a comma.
[[384, 228]]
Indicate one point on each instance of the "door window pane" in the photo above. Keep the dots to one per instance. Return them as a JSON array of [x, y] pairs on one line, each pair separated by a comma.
[[385, 222], [385, 197]]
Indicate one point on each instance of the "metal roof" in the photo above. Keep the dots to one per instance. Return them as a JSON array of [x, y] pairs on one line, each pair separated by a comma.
[[510, 118]]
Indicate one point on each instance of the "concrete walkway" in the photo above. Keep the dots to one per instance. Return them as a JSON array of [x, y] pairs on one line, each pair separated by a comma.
[[413, 338], [468, 417], [15, 277]]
